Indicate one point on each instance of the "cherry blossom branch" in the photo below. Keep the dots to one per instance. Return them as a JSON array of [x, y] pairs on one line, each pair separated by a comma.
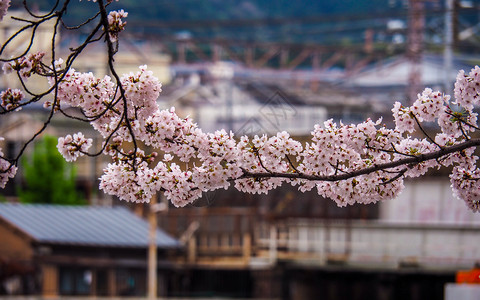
[[111, 54], [356, 163], [368, 170], [33, 25]]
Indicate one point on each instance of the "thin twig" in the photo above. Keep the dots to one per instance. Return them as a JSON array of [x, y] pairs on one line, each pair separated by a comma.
[[424, 132], [400, 174]]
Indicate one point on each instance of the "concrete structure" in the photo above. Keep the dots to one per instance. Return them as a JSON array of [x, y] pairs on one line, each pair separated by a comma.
[[428, 201], [387, 81], [241, 105], [462, 291]]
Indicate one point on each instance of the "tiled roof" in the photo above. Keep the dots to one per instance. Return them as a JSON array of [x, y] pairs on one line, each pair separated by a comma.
[[82, 225]]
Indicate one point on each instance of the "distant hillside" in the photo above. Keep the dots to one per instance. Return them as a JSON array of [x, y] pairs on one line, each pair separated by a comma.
[[166, 17], [229, 9], [285, 21], [247, 9]]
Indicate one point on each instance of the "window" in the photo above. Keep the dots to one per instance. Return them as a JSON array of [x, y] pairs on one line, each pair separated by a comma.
[[75, 281]]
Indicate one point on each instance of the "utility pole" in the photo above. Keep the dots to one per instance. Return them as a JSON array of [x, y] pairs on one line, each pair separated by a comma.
[[152, 249], [448, 46], [154, 208]]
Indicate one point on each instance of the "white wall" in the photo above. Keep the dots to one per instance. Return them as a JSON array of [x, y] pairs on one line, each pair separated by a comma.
[[428, 200], [462, 291], [251, 117]]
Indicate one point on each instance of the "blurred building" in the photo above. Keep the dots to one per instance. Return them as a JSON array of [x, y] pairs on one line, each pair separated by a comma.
[[67, 250], [243, 106], [286, 244], [296, 245], [387, 81]]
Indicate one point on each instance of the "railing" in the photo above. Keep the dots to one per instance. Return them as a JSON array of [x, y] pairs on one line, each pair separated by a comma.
[[220, 243], [242, 237], [359, 242], [211, 233]]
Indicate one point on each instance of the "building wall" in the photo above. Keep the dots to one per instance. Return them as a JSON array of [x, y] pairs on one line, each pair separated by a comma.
[[238, 111], [49, 279], [14, 245], [43, 39], [428, 201], [95, 60]]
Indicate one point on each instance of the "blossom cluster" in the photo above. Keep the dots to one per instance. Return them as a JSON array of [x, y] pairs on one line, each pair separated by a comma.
[[467, 88], [11, 99], [195, 161], [428, 106], [71, 147], [7, 170], [341, 149], [93, 95], [26, 66], [466, 185], [116, 24], [4, 4]]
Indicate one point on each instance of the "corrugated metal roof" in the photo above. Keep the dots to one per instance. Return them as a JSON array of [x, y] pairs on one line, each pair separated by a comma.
[[82, 225]]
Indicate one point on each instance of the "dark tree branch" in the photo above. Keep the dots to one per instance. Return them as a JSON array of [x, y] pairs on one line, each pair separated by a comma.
[[111, 53], [368, 170]]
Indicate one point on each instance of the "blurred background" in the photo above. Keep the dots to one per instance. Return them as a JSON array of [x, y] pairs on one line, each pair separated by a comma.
[[252, 67]]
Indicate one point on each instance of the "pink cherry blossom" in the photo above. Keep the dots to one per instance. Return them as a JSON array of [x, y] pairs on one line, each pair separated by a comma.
[[115, 23], [26, 66], [4, 4], [73, 147], [348, 163], [213, 161], [7, 170], [11, 98]]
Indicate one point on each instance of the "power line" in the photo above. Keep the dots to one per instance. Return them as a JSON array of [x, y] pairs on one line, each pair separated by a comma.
[[317, 19]]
